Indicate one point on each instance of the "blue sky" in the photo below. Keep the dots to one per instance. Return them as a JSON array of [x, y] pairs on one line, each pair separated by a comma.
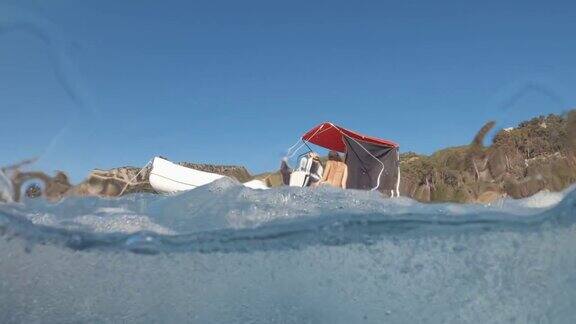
[[99, 84]]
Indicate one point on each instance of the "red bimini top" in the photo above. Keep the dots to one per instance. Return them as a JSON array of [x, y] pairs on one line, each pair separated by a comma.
[[329, 136]]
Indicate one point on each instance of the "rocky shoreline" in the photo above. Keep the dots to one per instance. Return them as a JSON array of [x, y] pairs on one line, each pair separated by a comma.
[[107, 183], [539, 154]]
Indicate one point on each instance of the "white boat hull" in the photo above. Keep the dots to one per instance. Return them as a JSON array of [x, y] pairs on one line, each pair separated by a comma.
[[299, 178], [168, 177]]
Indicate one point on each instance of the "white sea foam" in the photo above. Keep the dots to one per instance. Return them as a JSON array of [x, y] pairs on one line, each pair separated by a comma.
[[544, 199]]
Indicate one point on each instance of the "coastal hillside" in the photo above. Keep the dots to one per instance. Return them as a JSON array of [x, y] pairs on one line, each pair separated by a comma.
[[537, 155]]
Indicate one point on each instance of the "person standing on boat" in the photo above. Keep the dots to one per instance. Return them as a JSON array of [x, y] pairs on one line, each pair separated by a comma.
[[285, 171], [336, 172]]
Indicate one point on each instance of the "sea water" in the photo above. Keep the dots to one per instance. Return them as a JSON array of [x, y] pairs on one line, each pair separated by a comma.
[[224, 253]]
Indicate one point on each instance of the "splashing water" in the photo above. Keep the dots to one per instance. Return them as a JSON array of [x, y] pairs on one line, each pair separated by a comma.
[[6, 189], [226, 253]]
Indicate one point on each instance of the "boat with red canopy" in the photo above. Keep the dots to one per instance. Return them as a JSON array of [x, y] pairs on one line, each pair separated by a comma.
[[372, 163]]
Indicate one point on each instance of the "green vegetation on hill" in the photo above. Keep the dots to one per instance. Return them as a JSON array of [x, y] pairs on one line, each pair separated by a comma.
[[537, 155]]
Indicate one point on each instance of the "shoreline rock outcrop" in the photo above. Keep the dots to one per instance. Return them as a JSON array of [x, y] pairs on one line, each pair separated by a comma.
[[106, 183]]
